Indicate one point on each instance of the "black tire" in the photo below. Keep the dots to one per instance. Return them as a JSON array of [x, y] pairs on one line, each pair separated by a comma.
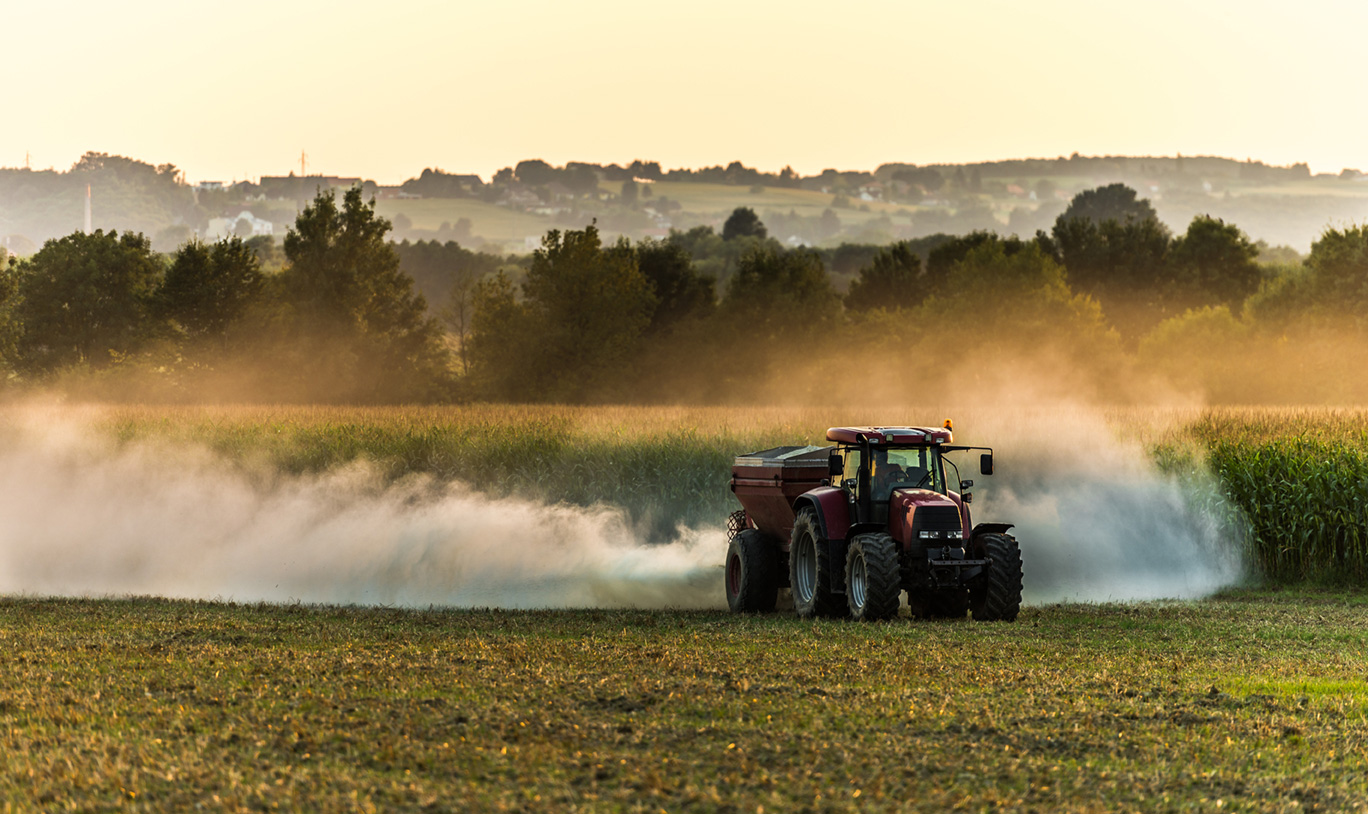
[[998, 597], [752, 573], [810, 572], [873, 577]]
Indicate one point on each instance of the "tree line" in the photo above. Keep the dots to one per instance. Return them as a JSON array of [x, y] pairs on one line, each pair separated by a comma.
[[339, 321], [342, 314]]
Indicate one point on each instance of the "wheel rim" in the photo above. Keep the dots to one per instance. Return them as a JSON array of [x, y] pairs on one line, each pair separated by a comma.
[[734, 574], [805, 569], [859, 581]]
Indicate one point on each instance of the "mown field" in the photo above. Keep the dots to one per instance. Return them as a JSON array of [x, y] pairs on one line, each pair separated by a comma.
[[1251, 701]]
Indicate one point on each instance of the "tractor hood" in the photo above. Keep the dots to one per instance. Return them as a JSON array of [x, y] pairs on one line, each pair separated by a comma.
[[904, 499], [914, 514]]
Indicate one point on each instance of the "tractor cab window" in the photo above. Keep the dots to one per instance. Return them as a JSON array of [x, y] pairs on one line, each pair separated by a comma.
[[852, 467], [907, 468]]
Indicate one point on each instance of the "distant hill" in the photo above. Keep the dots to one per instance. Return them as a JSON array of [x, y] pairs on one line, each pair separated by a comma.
[[512, 210]]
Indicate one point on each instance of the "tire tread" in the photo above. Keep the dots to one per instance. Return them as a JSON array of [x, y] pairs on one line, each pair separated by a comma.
[[883, 575], [1001, 600]]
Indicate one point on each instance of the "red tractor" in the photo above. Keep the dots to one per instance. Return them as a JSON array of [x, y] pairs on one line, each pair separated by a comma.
[[849, 528]]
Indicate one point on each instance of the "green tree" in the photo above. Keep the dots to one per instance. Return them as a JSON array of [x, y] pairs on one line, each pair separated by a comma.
[[1020, 298], [1113, 259], [891, 281], [574, 333], [712, 256], [743, 222], [1116, 202], [582, 179], [436, 267], [266, 251], [356, 305], [459, 311], [946, 254], [85, 298], [775, 292], [1338, 268], [501, 340], [629, 193], [207, 288], [1214, 262], [681, 292], [9, 301], [536, 172]]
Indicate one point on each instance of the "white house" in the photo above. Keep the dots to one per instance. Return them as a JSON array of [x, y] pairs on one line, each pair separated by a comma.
[[219, 228]]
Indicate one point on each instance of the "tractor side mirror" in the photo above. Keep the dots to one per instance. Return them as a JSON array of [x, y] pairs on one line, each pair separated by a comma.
[[967, 497], [835, 465], [986, 463], [965, 484]]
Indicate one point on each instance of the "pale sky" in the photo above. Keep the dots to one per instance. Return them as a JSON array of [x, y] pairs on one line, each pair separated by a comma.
[[381, 90]]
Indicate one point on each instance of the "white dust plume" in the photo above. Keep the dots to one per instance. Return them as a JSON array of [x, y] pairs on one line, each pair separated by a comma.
[[83, 517], [1096, 520]]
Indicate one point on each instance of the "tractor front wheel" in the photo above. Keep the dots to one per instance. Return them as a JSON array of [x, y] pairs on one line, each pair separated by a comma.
[[873, 578], [997, 598], [810, 571], [752, 573]]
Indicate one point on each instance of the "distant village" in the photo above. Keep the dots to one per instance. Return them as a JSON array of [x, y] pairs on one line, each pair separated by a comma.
[[1279, 205]]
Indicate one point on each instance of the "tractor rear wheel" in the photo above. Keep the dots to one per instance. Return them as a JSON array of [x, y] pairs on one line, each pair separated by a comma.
[[752, 573], [873, 578], [810, 571], [998, 596]]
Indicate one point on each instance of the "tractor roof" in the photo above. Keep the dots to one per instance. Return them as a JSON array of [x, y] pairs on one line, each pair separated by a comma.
[[890, 435]]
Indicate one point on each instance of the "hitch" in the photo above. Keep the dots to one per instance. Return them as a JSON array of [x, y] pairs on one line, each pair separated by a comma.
[[949, 568]]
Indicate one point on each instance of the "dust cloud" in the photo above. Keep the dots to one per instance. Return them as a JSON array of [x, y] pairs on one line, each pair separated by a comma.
[[85, 518], [1096, 520]]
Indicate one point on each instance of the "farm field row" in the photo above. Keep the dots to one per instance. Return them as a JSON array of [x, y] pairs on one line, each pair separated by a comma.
[[1251, 701]]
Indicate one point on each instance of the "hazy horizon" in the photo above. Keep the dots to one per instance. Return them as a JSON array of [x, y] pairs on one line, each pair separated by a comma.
[[228, 94]]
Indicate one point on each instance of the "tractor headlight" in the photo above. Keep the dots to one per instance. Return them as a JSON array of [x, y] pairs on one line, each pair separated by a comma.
[[954, 535], [930, 535]]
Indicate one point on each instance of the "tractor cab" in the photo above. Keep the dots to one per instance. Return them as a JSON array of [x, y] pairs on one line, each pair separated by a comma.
[[878, 466]]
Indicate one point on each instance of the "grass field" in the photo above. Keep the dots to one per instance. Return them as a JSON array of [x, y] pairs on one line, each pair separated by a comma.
[[1246, 702], [495, 223]]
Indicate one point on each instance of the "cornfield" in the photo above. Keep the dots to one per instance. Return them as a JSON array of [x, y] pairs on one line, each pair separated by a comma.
[[1301, 480], [1298, 477]]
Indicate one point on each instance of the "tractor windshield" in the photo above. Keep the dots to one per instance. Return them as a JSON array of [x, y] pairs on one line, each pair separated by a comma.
[[905, 468]]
